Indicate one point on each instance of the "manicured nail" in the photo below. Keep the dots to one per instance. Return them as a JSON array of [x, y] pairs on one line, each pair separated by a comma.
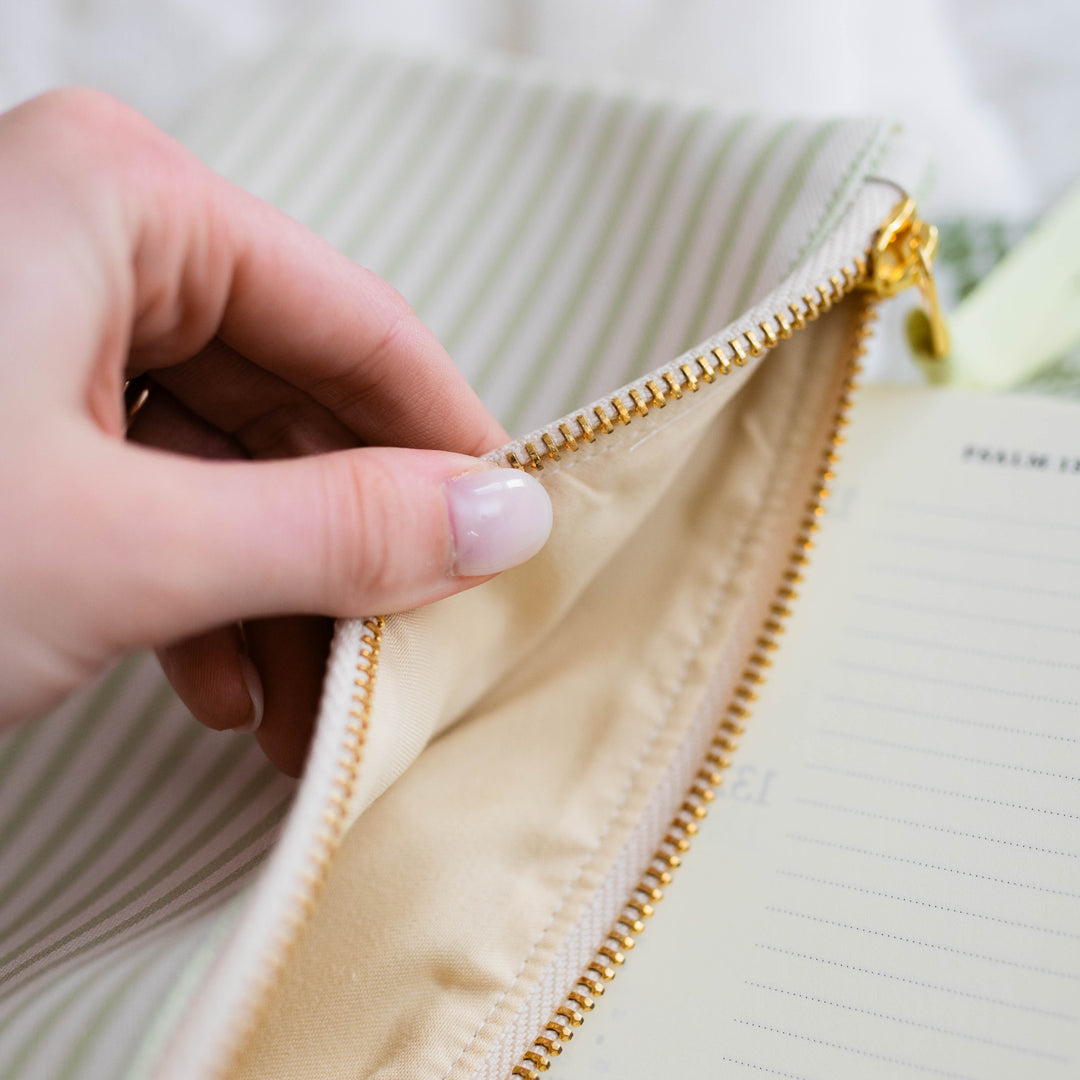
[[255, 691], [499, 518]]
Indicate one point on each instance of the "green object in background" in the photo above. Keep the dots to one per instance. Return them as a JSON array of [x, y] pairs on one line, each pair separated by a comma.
[[1023, 316]]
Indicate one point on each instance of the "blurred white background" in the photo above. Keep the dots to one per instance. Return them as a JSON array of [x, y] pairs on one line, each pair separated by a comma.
[[992, 87]]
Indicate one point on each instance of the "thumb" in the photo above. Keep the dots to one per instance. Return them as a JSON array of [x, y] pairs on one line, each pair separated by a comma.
[[357, 532]]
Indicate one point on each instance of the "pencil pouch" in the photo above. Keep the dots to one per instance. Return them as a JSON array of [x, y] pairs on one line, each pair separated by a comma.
[[501, 785]]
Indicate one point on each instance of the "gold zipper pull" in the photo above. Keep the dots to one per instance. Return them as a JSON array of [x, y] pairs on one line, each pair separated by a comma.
[[902, 256]]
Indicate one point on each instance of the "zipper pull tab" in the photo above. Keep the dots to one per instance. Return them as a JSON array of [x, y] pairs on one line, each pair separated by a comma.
[[902, 255]]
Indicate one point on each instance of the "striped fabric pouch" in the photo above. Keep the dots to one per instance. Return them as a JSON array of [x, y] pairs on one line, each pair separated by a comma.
[[500, 784]]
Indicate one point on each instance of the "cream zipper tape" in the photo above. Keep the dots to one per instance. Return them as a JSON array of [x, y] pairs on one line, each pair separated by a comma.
[[671, 385], [658, 872], [900, 257], [327, 838]]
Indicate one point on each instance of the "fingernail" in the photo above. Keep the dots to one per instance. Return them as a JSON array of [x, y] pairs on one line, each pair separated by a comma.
[[255, 691], [499, 518]]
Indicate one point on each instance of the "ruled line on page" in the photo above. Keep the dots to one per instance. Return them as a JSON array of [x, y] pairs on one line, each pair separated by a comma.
[[930, 751], [968, 514], [763, 1069], [943, 544], [859, 811], [971, 583], [967, 954], [953, 647], [932, 790], [909, 675], [977, 616], [930, 1069], [924, 714], [863, 891], [907, 1021], [924, 865], [922, 984]]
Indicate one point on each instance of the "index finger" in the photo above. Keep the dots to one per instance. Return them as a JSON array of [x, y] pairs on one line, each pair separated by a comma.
[[197, 257], [312, 316]]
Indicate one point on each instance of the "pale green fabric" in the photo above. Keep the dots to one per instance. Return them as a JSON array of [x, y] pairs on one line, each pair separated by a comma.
[[560, 241], [119, 817], [970, 249]]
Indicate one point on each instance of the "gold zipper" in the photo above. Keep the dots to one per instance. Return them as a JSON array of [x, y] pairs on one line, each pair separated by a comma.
[[875, 275], [902, 252], [901, 255], [327, 840]]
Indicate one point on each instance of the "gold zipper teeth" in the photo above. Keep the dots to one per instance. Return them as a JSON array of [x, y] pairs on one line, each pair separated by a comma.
[[702, 790], [327, 840], [687, 378], [869, 271]]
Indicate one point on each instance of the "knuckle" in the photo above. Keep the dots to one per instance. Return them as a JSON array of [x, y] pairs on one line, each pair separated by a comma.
[[97, 144], [399, 328], [273, 434], [347, 396], [80, 106], [366, 536], [89, 119], [395, 308], [374, 570], [344, 392]]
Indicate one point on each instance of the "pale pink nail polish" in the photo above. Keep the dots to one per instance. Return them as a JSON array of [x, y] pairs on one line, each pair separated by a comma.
[[499, 518]]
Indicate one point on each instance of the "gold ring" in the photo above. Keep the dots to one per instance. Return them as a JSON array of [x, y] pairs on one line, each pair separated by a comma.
[[136, 394]]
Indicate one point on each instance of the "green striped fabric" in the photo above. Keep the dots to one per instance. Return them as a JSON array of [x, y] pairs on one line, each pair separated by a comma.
[[561, 241], [121, 822]]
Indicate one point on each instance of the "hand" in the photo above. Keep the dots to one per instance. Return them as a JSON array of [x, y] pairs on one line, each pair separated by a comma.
[[121, 254]]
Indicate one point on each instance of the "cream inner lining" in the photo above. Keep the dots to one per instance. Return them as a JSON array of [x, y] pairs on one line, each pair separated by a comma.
[[559, 695]]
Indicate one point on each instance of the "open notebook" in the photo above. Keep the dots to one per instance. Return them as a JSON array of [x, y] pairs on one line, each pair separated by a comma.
[[486, 818], [888, 884]]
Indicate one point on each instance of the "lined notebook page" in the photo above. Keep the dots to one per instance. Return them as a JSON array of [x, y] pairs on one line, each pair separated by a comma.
[[889, 885]]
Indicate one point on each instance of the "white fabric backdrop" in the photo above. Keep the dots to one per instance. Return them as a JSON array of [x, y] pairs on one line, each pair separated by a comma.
[[991, 86]]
